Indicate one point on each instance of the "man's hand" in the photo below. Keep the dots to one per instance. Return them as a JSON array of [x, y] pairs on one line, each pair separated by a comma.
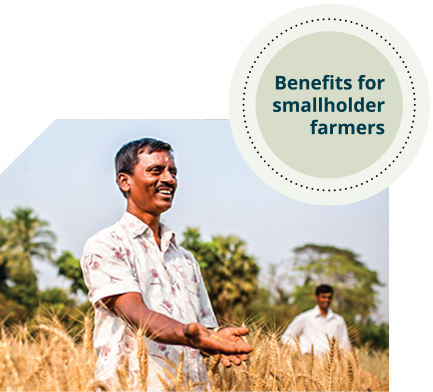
[[233, 334], [228, 343]]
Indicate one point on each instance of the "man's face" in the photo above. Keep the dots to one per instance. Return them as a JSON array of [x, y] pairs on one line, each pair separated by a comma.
[[323, 300], [153, 184]]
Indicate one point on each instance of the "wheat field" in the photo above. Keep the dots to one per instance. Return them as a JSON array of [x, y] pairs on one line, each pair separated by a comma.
[[44, 357]]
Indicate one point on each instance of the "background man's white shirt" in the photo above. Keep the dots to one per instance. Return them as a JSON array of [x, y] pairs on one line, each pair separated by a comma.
[[311, 327], [126, 258]]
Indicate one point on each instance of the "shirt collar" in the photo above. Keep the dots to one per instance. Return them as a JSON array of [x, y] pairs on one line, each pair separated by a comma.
[[167, 235], [137, 227], [317, 313]]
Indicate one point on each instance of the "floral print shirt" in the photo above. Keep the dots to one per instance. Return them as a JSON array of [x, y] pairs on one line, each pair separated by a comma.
[[126, 258]]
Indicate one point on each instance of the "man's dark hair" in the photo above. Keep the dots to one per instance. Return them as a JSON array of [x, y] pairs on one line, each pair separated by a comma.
[[324, 289], [127, 157]]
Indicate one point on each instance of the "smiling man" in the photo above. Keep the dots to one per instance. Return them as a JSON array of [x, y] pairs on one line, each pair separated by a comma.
[[138, 277], [318, 325]]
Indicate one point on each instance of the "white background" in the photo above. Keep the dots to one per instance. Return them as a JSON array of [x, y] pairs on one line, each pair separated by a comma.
[[104, 59]]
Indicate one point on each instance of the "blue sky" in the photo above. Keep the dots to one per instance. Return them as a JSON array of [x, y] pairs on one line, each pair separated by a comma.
[[67, 176]]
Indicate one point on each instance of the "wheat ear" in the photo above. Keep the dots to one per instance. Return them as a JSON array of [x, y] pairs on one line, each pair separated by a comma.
[[169, 361], [260, 382], [142, 360], [256, 339], [10, 365], [179, 375], [3, 372], [41, 361], [196, 384], [123, 375], [312, 360], [164, 383], [315, 380], [60, 373], [349, 374], [256, 360], [69, 344], [298, 349], [274, 360], [88, 341], [331, 362], [216, 362]]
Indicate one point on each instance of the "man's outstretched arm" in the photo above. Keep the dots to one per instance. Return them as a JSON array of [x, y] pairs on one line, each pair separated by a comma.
[[166, 330]]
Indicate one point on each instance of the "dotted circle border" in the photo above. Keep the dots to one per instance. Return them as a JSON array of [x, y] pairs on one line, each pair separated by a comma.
[[261, 156]]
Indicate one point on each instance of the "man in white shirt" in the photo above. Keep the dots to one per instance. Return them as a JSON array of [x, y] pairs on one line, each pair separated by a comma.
[[138, 277], [318, 325]]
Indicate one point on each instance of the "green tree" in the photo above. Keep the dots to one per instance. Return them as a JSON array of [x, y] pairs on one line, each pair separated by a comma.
[[354, 284], [23, 237], [230, 274], [70, 268]]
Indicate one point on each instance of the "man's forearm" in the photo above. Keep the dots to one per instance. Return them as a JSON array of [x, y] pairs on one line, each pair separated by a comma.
[[163, 329], [156, 326]]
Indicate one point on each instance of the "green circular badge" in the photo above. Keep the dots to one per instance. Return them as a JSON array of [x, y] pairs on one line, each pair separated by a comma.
[[329, 104]]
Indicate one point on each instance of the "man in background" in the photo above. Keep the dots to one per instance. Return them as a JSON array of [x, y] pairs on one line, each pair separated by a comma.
[[318, 326], [140, 278]]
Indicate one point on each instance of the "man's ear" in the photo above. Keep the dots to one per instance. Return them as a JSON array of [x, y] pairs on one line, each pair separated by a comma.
[[123, 180]]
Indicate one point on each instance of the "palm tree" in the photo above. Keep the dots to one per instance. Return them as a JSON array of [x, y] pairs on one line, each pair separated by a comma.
[[23, 238]]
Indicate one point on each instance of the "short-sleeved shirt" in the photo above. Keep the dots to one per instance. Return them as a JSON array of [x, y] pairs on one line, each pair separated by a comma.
[[126, 258], [311, 327]]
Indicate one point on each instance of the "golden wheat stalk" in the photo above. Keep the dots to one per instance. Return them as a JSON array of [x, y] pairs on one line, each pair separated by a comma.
[[170, 362], [164, 383], [60, 375], [41, 361], [338, 350], [331, 362], [3, 372], [179, 374], [172, 378], [311, 360], [356, 356], [256, 360], [273, 358], [48, 363], [216, 362], [71, 346], [124, 377], [143, 360], [197, 384], [88, 341], [260, 383], [298, 349], [256, 339], [349, 374], [13, 370], [313, 379]]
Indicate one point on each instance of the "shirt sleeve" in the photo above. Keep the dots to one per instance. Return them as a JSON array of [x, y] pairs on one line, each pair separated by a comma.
[[107, 269], [293, 330], [343, 339]]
